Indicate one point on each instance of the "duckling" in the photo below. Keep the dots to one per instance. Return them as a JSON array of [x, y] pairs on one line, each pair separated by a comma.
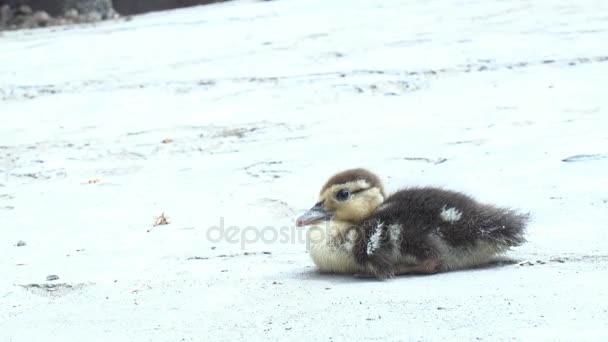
[[357, 229]]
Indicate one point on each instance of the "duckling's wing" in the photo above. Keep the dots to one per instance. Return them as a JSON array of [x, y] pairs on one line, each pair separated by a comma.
[[487, 223], [424, 223], [455, 217], [372, 248]]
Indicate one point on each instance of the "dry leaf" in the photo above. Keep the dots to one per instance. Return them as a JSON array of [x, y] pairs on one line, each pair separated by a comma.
[[161, 220]]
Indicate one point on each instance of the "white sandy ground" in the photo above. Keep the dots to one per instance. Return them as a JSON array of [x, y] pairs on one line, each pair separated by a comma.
[[265, 100]]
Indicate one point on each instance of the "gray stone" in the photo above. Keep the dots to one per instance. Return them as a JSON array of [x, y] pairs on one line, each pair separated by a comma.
[[112, 14], [88, 6], [92, 16], [59, 7], [41, 18], [71, 14]]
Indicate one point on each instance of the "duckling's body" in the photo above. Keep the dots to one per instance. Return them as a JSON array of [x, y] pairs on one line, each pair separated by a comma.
[[416, 230]]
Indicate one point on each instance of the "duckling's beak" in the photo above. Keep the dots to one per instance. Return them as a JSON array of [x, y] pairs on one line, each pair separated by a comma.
[[314, 215]]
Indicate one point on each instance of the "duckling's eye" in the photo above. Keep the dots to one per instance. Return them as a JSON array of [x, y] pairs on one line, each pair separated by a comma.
[[342, 195]]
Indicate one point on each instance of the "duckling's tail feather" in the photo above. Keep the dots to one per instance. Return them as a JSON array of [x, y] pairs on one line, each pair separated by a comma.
[[508, 225]]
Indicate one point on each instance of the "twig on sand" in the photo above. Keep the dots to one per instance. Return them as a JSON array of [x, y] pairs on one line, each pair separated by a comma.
[[159, 221]]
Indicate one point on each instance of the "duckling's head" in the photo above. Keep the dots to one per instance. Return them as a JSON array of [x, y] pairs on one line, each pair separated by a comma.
[[349, 196]]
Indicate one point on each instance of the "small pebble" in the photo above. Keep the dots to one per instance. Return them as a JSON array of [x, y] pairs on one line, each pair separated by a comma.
[[91, 16], [41, 18], [21, 243], [52, 277], [71, 13]]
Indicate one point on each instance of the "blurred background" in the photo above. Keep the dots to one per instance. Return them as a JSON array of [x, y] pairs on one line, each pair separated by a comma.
[[16, 14]]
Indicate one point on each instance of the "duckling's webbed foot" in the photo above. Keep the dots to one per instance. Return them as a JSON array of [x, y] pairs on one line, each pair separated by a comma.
[[428, 266]]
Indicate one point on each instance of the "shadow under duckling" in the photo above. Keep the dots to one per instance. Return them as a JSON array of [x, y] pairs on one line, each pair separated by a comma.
[[356, 228]]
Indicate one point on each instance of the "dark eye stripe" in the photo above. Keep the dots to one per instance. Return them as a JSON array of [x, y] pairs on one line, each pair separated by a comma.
[[344, 194], [360, 190]]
